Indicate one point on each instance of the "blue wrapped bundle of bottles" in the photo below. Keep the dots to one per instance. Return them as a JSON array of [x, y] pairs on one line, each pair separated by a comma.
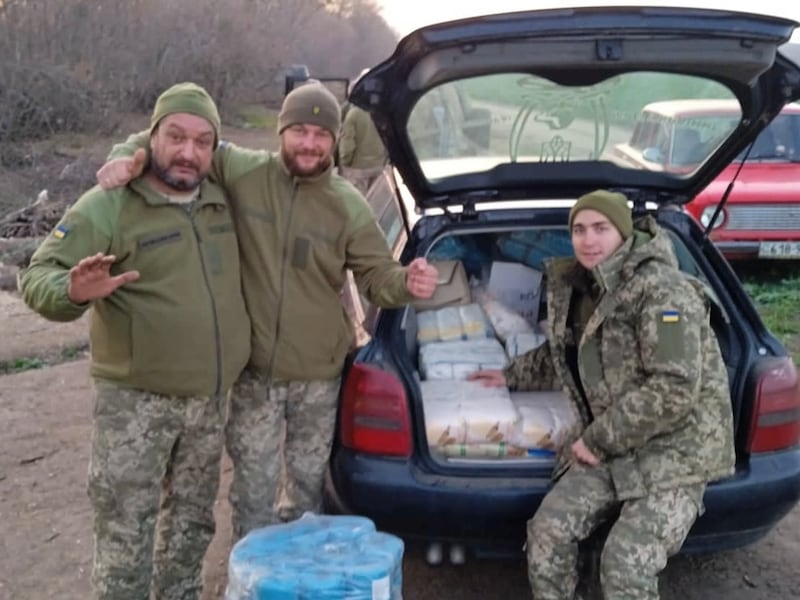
[[317, 557]]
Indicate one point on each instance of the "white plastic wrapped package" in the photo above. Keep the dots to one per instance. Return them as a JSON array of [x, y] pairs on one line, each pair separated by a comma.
[[466, 412], [456, 360], [518, 344], [465, 322], [316, 557], [505, 321], [545, 417]]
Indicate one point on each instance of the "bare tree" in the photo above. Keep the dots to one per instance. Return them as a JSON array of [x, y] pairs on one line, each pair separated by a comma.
[[68, 64]]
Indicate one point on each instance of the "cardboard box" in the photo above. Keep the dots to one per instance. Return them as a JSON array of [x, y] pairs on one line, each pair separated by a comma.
[[518, 287]]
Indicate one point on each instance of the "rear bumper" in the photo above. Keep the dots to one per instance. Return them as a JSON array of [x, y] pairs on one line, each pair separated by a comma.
[[403, 500]]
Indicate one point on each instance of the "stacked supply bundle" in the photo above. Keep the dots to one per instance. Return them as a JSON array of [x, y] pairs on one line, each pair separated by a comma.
[[316, 558], [464, 418], [456, 360], [451, 323], [545, 418]]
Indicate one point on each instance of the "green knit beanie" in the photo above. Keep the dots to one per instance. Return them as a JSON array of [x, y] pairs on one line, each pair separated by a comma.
[[187, 98], [312, 104], [612, 204]]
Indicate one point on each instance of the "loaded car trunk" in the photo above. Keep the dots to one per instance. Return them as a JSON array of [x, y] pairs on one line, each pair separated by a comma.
[[490, 307]]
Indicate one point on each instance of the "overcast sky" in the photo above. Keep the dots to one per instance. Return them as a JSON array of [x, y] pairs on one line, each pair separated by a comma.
[[406, 15]]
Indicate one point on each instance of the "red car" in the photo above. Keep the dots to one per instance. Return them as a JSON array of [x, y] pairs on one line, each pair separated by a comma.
[[761, 216]]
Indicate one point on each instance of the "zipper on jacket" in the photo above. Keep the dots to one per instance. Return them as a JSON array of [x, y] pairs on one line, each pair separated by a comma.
[[282, 288], [217, 337]]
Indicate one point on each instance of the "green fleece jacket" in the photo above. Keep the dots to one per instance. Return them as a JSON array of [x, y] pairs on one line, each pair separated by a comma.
[[182, 327], [360, 146], [297, 238]]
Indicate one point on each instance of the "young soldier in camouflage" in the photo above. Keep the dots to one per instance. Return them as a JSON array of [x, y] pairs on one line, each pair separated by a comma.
[[301, 227], [630, 343], [157, 262]]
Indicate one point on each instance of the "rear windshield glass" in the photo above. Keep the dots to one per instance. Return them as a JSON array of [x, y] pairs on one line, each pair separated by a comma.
[[641, 120]]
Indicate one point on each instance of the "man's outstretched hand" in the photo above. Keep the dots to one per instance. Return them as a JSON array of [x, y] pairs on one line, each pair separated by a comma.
[[91, 278], [119, 171]]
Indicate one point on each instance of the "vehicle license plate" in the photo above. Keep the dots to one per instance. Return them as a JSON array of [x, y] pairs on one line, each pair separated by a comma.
[[779, 250]]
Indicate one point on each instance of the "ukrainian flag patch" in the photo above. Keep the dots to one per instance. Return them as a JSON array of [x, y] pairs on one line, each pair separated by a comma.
[[670, 316], [61, 232]]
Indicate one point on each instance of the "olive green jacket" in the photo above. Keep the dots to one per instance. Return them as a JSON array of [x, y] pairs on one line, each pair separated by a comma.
[[181, 328], [658, 407], [360, 145], [298, 237]]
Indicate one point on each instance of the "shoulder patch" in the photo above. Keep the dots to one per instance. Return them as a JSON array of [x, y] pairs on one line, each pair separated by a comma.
[[60, 232], [670, 316]]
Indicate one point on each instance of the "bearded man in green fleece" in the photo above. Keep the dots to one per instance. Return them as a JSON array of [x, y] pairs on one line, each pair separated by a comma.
[[631, 345], [301, 227], [157, 263]]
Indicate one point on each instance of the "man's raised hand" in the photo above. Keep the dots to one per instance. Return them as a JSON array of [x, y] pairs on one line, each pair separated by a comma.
[[91, 278]]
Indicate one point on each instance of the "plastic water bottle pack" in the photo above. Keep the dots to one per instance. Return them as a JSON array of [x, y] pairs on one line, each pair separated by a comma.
[[317, 557]]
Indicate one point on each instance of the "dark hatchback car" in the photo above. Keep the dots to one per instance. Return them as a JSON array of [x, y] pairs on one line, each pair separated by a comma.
[[494, 126]]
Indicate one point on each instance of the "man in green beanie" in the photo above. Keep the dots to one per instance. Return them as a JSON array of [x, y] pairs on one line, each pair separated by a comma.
[[157, 264], [631, 345], [301, 228]]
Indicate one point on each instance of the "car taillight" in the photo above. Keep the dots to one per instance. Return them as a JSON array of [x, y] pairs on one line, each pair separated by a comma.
[[374, 415], [776, 420]]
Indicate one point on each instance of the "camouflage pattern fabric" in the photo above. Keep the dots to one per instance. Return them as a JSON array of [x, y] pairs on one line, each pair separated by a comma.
[[647, 532], [657, 394], [655, 409], [259, 410], [153, 478]]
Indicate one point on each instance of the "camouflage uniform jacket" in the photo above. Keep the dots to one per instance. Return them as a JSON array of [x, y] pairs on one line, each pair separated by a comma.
[[657, 407], [181, 328], [297, 238]]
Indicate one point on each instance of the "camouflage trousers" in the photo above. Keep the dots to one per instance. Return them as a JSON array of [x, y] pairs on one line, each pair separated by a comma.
[[647, 531], [262, 413], [361, 178], [153, 478]]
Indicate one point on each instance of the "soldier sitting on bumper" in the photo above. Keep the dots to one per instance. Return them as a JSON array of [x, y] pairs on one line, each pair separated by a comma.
[[631, 345]]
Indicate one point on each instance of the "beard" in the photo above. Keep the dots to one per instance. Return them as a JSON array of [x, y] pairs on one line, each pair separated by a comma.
[[291, 162], [179, 183]]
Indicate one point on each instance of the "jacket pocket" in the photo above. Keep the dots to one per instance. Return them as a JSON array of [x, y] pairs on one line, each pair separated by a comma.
[[590, 363]]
